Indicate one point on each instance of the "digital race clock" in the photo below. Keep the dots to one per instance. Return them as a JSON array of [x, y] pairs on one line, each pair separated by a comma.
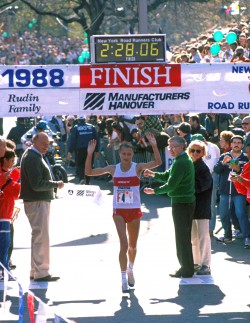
[[128, 48]]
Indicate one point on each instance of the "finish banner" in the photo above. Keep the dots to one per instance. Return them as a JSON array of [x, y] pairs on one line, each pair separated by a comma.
[[124, 89]]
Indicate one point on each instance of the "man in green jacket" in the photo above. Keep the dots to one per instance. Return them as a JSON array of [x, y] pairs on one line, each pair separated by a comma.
[[180, 186]]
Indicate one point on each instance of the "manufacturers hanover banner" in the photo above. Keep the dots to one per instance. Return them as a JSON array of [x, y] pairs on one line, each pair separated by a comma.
[[125, 89]]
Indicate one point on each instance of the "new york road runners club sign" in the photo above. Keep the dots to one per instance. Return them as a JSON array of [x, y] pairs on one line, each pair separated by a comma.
[[124, 89]]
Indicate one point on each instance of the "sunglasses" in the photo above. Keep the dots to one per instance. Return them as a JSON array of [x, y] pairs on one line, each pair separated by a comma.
[[244, 123], [195, 150]]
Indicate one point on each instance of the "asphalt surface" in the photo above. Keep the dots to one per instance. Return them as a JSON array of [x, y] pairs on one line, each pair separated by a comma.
[[84, 253]]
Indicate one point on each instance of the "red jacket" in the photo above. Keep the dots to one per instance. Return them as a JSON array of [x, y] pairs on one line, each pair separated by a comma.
[[242, 188], [10, 194]]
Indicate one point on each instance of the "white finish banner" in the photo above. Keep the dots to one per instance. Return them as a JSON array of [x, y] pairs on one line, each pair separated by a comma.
[[125, 89], [34, 90]]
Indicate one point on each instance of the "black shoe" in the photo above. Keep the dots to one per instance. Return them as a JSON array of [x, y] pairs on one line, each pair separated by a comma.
[[48, 278], [177, 274], [11, 265], [224, 240]]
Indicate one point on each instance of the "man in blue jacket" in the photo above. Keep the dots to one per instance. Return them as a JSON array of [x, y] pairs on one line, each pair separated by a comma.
[[80, 136]]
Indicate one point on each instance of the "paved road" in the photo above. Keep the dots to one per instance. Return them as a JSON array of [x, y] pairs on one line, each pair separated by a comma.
[[84, 253]]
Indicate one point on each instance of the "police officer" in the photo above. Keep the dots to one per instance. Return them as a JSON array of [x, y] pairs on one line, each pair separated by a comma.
[[80, 136]]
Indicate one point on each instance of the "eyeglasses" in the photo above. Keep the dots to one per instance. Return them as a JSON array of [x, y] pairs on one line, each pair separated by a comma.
[[198, 151], [172, 148]]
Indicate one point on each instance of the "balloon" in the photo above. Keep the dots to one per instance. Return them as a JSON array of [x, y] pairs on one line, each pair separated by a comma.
[[85, 41], [30, 25], [83, 55], [33, 21], [218, 35], [231, 38], [80, 59], [85, 35], [5, 34], [214, 49]]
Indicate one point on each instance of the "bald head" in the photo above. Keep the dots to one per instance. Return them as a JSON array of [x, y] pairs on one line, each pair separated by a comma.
[[2, 146], [41, 142]]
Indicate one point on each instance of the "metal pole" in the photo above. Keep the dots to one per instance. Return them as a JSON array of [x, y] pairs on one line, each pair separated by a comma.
[[143, 17]]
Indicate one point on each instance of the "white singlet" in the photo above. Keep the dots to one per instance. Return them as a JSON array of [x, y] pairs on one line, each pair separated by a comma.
[[126, 188]]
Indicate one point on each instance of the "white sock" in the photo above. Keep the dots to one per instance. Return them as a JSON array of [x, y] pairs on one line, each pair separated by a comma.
[[130, 266], [124, 277]]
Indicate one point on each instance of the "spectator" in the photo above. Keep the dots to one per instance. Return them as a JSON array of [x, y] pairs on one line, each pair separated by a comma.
[[223, 120], [228, 164], [236, 127], [10, 189], [15, 134], [2, 146], [57, 125], [37, 191], [246, 128], [201, 243], [211, 127], [242, 185], [184, 130], [41, 126], [161, 140], [137, 141], [195, 55], [225, 140], [122, 130], [146, 123], [247, 49], [179, 185], [196, 127], [211, 158], [176, 119], [1, 126], [239, 56], [80, 136]]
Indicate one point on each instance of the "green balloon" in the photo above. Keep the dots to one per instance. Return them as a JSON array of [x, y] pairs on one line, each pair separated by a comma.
[[231, 38], [218, 35], [85, 41], [215, 49], [30, 25], [33, 21], [83, 55], [85, 35], [5, 34], [87, 54], [80, 59]]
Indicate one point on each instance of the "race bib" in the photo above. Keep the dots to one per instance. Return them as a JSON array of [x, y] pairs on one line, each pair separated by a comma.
[[124, 196]]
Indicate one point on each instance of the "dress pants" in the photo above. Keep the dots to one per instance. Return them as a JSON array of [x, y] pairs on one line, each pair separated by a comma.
[[201, 242], [38, 214], [183, 216]]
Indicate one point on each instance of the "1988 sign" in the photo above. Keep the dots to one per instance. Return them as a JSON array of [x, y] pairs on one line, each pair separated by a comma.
[[37, 77]]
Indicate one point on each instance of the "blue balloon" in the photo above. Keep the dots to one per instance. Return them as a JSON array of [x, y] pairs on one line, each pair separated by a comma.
[[215, 49], [80, 59], [231, 38], [218, 35]]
